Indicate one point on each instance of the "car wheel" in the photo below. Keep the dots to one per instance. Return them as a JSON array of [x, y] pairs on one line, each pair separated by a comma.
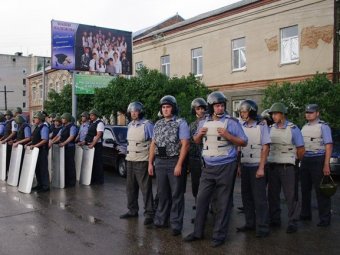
[[122, 167]]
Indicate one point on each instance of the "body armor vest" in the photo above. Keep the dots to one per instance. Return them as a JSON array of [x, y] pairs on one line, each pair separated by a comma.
[[21, 132], [312, 136], [138, 147], [282, 151], [65, 133], [92, 131], [55, 130], [213, 144], [166, 138], [36, 136], [252, 152]]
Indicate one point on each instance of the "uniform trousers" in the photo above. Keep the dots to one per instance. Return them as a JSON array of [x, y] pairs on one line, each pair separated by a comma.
[[97, 169], [311, 176], [41, 170], [217, 181], [170, 189], [285, 176], [254, 199], [137, 177], [70, 167]]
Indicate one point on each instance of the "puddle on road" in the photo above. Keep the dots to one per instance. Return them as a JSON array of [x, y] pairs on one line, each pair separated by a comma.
[[3, 189], [94, 220]]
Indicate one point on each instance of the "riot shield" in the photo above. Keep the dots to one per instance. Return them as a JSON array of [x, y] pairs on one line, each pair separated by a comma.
[[14, 166], [28, 169]]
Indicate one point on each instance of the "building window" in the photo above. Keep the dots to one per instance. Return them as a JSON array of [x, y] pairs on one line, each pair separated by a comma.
[[24, 93], [289, 45], [165, 65], [24, 105], [139, 65], [197, 61], [34, 91], [23, 81], [239, 54], [236, 107]]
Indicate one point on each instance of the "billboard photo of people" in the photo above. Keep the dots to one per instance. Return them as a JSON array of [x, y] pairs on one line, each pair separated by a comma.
[[99, 50]]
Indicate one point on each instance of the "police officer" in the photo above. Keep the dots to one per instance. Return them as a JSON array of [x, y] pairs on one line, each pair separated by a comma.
[[10, 133], [315, 164], [198, 108], [139, 135], [84, 126], [51, 118], [54, 130], [168, 149], [24, 131], [65, 138], [221, 134], [40, 139], [94, 140], [2, 125], [253, 160], [287, 145]]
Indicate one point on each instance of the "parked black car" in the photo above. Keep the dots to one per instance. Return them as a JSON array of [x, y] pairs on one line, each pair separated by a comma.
[[114, 148], [335, 158]]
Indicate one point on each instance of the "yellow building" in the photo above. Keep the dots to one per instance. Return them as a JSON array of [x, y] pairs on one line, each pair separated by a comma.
[[241, 48]]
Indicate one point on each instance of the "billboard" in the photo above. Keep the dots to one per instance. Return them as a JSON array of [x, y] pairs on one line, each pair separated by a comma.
[[86, 83], [90, 48]]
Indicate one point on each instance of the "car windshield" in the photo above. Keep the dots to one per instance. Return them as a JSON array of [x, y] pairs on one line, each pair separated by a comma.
[[120, 133]]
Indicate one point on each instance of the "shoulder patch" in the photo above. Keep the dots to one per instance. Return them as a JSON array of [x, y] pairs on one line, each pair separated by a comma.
[[291, 125], [323, 122], [232, 118]]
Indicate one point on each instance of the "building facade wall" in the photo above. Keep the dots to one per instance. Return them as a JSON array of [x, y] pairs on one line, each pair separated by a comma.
[[13, 72], [54, 79], [260, 26]]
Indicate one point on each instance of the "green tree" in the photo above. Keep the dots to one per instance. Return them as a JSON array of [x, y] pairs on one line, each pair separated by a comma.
[[148, 87], [318, 90], [62, 102]]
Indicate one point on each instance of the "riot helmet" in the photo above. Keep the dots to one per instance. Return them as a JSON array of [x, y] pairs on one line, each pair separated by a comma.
[[198, 102], [8, 112], [85, 114], [328, 189], [2, 117], [19, 119], [265, 115], [17, 110], [67, 116], [169, 100], [135, 107], [95, 112], [216, 97], [249, 106], [278, 107], [312, 108], [39, 116]]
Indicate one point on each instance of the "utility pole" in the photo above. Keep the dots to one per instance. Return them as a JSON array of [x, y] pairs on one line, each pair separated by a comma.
[[43, 84], [5, 91], [336, 37]]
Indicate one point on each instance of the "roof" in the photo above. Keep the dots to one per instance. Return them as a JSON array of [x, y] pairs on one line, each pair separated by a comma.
[[198, 18]]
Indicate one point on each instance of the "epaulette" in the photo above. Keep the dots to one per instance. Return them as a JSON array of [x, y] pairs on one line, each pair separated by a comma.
[[232, 118], [323, 122], [261, 122], [291, 125]]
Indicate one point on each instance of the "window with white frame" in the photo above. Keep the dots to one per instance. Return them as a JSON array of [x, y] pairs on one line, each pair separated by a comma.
[[239, 54], [165, 65], [236, 107], [289, 44], [197, 61], [139, 65]]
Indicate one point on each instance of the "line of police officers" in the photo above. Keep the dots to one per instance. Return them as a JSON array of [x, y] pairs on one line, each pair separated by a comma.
[[218, 146], [54, 129]]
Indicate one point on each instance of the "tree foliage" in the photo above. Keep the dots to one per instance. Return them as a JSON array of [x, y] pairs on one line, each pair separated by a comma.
[[62, 102], [148, 87], [318, 90]]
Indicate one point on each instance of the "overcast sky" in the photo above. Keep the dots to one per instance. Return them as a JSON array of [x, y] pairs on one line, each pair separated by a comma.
[[25, 25]]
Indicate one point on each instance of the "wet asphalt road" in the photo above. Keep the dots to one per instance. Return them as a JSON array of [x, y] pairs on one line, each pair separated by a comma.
[[85, 220]]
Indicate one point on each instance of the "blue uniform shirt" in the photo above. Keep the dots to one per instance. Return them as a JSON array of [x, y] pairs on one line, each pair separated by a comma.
[[148, 128], [326, 134], [27, 132], [83, 131], [297, 138], [265, 136], [44, 132], [235, 129], [2, 128]]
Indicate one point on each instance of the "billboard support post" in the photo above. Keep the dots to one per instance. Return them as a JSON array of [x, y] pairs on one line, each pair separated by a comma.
[[74, 97]]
